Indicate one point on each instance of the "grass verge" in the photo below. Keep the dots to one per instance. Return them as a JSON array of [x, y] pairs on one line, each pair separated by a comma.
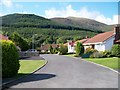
[[28, 66], [109, 62]]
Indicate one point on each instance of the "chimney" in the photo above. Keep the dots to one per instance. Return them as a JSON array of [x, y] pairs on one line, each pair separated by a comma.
[[117, 32]]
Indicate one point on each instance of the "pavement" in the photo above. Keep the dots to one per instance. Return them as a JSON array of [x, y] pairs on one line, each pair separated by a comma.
[[68, 72]]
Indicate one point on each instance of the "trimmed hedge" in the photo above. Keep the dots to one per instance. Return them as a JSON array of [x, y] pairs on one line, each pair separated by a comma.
[[116, 50], [79, 49], [10, 58]]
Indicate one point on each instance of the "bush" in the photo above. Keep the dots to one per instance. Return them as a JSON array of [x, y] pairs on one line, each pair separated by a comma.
[[79, 49], [51, 49], [107, 54], [96, 55], [10, 59], [116, 50], [89, 51], [63, 50]]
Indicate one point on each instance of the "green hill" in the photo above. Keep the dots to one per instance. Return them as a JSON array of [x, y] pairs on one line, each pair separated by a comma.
[[47, 30]]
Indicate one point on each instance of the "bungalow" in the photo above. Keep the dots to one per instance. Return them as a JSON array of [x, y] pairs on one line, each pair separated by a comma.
[[104, 41], [100, 42]]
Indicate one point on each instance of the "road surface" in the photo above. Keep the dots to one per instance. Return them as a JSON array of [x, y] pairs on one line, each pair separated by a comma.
[[69, 72]]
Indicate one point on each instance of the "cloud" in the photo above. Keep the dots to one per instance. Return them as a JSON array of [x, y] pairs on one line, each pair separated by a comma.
[[7, 3], [83, 12]]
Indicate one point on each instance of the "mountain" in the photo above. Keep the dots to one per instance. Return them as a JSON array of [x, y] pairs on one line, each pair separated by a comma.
[[55, 30], [70, 23], [83, 23]]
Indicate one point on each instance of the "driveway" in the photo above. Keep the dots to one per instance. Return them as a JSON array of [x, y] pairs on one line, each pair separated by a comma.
[[69, 72]]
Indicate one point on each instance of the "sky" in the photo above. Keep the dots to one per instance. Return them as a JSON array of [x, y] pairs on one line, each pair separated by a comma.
[[105, 12]]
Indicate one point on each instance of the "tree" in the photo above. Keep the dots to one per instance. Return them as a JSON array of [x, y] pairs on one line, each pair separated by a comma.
[[116, 50], [77, 38], [19, 41], [79, 49], [63, 39]]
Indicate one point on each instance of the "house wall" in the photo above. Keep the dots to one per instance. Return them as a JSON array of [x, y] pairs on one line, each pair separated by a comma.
[[109, 43], [100, 47], [106, 45], [71, 49]]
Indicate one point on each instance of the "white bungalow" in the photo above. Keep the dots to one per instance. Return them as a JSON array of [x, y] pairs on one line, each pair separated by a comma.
[[100, 42]]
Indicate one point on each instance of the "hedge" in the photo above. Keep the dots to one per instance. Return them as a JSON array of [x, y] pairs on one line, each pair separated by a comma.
[[10, 58], [116, 50]]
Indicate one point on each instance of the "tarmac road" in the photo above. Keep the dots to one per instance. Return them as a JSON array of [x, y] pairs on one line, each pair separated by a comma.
[[68, 72]]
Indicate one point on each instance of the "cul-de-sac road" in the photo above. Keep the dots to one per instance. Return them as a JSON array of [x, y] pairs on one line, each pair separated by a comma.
[[69, 72]]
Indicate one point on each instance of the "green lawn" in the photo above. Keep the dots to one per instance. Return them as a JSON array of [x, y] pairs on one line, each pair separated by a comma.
[[71, 55], [28, 66], [109, 62]]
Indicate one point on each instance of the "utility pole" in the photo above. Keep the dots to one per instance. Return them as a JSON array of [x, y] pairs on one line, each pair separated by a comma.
[[33, 41]]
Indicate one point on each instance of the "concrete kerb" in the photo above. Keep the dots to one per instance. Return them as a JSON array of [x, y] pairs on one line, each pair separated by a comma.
[[98, 65], [5, 84]]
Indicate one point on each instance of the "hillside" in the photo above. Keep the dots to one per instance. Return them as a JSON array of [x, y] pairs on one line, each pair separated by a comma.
[[70, 23], [48, 30], [83, 23]]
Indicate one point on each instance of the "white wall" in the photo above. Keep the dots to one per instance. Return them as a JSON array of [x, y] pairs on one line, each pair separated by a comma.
[[106, 45], [109, 43], [100, 47], [71, 49]]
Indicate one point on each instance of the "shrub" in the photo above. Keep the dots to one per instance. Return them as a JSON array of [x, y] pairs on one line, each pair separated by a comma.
[[89, 51], [55, 50], [116, 50], [63, 50], [79, 49], [51, 49], [107, 54], [10, 62], [96, 55]]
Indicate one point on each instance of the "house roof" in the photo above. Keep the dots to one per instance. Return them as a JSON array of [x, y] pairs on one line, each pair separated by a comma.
[[2, 37], [47, 46], [82, 40], [75, 42], [100, 37]]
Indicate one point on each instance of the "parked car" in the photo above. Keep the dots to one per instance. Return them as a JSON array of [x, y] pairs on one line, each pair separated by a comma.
[[31, 50]]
